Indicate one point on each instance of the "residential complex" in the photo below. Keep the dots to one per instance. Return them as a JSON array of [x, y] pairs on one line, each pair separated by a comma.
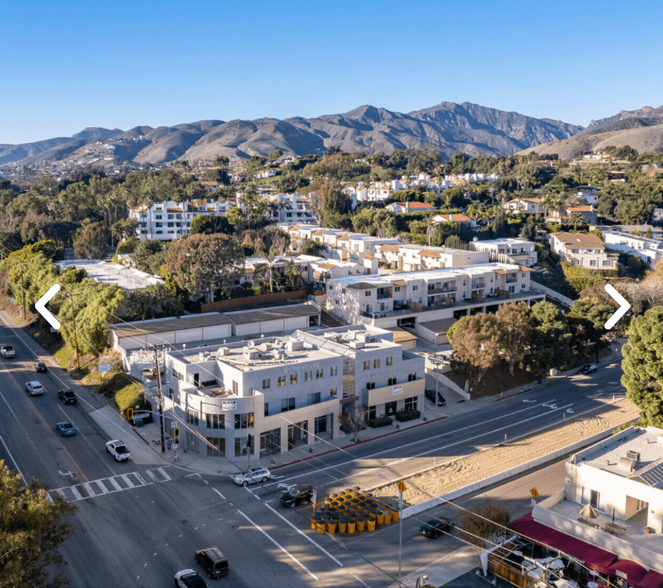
[[584, 249], [507, 250], [647, 249], [411, 258], [106, 272]]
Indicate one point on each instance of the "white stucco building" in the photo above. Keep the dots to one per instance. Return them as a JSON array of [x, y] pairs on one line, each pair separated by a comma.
[[584, 249], [647, 249], [508, 250]]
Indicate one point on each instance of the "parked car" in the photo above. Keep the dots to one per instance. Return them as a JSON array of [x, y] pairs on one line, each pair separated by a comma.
[[40, 366], [67, 396], [189, 579], [297, 495], [252, 476], [35, 388], [588, 369], [65, 429], [213, 562], [7, 351], [436, 527], [118, 450], [430, 394]]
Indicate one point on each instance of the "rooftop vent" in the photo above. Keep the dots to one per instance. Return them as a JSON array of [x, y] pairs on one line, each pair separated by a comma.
[[280, 354], [295, 345], [634, 455], [364, 337], [251, 354], [625, 464], [659, 439], [223, 351], [357, 344]]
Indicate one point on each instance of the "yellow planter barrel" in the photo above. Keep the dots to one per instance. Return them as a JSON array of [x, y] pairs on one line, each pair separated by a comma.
[[380, 517], [370, 525], [361, 524], [387, 517], [331, 526], [351, 526], [394, 516], [321, 528]]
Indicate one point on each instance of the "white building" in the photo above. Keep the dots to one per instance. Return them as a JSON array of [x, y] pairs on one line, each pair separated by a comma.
[[524, 206], [264, 174], [290, 208], [507, 250], [408, 257], [586, 250], [461, 219], [560, 217], [407, 207], [106, 272], [611, 508], [650, 250]]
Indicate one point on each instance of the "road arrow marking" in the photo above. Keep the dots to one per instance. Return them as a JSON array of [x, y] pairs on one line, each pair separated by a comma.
[[40, 307], [621, 311]]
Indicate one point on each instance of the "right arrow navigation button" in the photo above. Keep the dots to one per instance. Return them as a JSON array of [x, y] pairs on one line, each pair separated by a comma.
[[621, 311]]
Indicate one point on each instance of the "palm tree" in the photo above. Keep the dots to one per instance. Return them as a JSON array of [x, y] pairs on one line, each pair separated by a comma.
[[293, 276], [431, 229], [576, 219]]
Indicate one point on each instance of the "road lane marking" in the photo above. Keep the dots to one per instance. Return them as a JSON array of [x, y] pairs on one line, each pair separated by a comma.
[[329, 555], [76, 493], [166, 477], [125, 477], [360, 580], [12, 458], [9, 407], [283, 549], [151, 475], [219, 493]]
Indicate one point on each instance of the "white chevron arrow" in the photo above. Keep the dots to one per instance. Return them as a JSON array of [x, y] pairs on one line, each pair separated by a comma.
[[621, 311], [40, 306]]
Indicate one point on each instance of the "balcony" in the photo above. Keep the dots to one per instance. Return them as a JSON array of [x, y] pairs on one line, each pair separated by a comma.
[[476, 284], [478, 297], [384, 293], [511, 278], [441, 290]]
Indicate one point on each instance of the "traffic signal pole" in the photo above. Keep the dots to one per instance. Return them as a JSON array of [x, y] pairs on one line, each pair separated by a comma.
[[156, 363]]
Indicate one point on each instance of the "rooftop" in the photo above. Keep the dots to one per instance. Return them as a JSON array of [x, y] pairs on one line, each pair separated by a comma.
[[579, 239], [242, 317], [106, 272], [155, 326]]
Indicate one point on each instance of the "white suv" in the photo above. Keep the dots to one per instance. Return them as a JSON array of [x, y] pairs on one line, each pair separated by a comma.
[[35, 388], [252, 476], [7, 351]]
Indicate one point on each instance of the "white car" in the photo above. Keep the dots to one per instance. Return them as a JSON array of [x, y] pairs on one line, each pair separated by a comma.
[[118, 450], [7, 351], [252, 476], [189, 579], [35, 388]]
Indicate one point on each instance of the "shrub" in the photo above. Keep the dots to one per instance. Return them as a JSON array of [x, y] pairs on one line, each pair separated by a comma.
[[380, 422]]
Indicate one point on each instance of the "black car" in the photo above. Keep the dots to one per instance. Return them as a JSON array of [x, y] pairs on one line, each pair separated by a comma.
[[430, 394], [40, 366], [296, 495], [67, 396], [213, 562], [436, 527]]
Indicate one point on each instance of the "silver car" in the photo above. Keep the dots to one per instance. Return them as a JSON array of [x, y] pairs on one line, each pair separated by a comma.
[[252, 476]]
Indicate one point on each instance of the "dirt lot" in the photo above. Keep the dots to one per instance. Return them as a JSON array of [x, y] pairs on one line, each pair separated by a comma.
[[484, 464]]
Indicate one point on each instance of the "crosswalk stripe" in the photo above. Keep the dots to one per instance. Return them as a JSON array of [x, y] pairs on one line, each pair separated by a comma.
[[151, 475], [127, 480], [140, 479], [88, 488], [101, 486], [166, 477], [76, 493], [115, 484]]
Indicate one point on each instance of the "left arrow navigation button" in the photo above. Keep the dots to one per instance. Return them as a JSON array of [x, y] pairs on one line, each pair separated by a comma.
[[40, 306]]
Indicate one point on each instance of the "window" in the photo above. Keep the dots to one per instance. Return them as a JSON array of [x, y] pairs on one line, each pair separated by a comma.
[[415, 288], [606, 262], [390, 360], [266, 408], [319, 374], [244, 420], [293, 378], [333, 392], [397, 288], [287, 404], [412, 377], [595, 499], [216, 447], [321, 425], [376, 363], [333, 370], [307, 376], [370, 385], [392, 381], [281, 381], [523, 274], [592, 262], [216, 421], [367, 293], [523, 286], [265, 384], [313, 398], [411, 403], [191, 416], [235, 387], [367, 364]]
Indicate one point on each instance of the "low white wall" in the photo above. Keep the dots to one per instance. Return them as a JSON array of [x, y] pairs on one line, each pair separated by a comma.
[[553, 294], [447, 382]]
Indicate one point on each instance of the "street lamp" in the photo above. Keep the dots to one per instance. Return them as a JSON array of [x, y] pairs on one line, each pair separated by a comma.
[[400, 526]]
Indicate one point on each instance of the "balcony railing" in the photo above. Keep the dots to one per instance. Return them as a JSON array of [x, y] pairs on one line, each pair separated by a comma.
[[442, 290], [478, 285], [383, 295], [511, 279]]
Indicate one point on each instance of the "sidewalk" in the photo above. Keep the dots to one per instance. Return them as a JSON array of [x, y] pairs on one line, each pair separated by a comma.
[[446, 568]]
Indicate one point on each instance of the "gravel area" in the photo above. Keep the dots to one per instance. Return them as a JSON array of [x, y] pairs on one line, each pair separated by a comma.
[[476, 467]]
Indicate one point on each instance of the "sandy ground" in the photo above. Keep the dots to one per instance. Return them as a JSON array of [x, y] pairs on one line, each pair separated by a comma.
[[476, 467]]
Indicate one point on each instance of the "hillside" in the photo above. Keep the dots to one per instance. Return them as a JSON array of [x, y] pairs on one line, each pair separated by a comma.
[[644, 112], [447, 127]]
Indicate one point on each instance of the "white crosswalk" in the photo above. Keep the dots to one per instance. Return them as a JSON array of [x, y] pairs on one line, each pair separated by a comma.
[[118, 483]]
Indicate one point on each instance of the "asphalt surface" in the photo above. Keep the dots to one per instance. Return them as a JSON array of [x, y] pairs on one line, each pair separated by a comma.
[[139, 524]]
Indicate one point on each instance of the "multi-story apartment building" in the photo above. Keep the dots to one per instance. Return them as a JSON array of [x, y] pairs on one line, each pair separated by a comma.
[[586, 250], [649, 250], [276, 394], [411, 258], [406, 299], [166, 221], [519, 251], [609, 516], [290, 208]]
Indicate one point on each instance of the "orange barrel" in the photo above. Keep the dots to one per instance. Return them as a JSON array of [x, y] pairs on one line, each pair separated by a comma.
[[342, 525], [370, 525], [331, 526], [351, 526], [394, 516], [380, 517], [314, 521], [387, 517], [361, 524], [321, 528]]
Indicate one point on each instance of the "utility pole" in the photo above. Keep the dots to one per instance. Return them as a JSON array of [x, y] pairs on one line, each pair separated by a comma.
[[73, 322], [156, 364]]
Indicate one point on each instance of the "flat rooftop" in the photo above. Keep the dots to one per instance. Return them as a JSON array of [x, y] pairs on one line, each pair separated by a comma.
[[152, 327], [243, 317], [106, 272]]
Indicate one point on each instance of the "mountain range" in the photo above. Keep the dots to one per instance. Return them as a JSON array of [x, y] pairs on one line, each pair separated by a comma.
[[447, 128]]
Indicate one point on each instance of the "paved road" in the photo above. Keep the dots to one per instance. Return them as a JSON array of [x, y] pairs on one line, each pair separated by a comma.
[[143, 521]]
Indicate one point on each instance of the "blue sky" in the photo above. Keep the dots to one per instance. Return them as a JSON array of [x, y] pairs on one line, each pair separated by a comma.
[[72, 64]]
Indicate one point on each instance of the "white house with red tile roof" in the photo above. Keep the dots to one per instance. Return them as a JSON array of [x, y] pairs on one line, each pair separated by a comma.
[[584, 249], [453, 217], [407, 207], [524, 206]]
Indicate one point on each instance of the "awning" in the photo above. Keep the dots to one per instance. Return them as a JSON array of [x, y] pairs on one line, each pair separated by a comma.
[[651, 579], [628, 570], [588, 555]]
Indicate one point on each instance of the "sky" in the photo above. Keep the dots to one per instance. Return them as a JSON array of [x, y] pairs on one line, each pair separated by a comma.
[[119, 64]]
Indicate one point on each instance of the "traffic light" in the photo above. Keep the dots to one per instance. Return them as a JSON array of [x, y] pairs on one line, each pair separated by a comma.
[[176, 433], [130, 414]]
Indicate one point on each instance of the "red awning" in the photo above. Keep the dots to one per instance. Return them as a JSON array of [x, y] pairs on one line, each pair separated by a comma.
[[651, 579], [590, 556], [634, 572]]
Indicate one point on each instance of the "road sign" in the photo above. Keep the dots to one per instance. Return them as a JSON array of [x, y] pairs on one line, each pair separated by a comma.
[[401, 486], [534, 492], [40, 306], [104, 367], [621, 311]]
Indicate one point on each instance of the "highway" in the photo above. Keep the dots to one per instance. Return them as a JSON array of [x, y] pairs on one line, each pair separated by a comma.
[[141, 521]]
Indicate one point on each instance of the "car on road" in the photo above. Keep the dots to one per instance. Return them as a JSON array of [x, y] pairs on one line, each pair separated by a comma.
[[189, 579], [35, 388], [430, 394], [587, 369], [213, 562], [296, 495], [40, 366], [118, 450], [433, 528], [65, 429], [67, 396], [7, 351], [252, 476]]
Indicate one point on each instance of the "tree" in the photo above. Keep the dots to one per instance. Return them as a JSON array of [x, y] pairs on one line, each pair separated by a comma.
[[92, 243], [210, 224], [156, 301], [254, 206], [128, 246], [587, 320], [149, 256], [292, 277], [454, 242], [274, 155], [550, 340], [354, 421], [514, 332], [475, 341], [529, 230], [486, 524], [202, 264], [643, 365], [311, 247], [576, 220], [32, 528]]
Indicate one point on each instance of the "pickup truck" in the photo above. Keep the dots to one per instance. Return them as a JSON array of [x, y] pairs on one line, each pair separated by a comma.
[[118, 450]]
